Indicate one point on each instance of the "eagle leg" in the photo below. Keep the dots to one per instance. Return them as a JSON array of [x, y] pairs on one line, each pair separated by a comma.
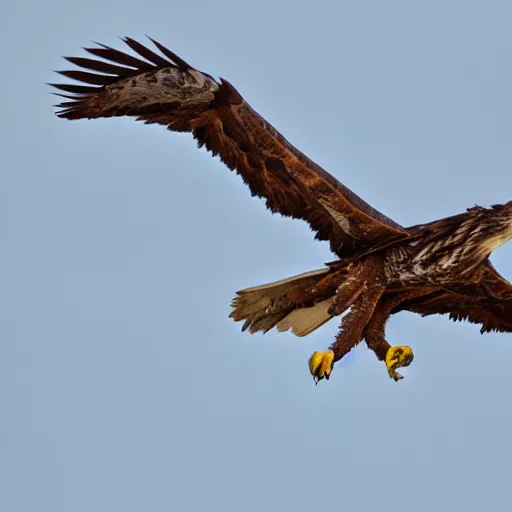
[[371, 284], [374, 334]]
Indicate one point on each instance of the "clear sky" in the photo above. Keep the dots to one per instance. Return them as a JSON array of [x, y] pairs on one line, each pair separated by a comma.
[[124, 386]]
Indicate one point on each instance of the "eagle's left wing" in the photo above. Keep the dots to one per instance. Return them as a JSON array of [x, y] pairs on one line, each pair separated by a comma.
[[164, 89], [487, 302]]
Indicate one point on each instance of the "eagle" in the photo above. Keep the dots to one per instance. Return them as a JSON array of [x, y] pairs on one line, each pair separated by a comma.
[[381, 267]]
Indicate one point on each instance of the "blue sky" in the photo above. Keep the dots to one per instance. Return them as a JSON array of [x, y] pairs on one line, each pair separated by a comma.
[[123, 383]]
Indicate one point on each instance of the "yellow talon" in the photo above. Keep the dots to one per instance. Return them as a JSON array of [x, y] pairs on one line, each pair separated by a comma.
[[320, 365], [397, 357]]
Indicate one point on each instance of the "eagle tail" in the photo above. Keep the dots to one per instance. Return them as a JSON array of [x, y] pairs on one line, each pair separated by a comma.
[[300, 303]]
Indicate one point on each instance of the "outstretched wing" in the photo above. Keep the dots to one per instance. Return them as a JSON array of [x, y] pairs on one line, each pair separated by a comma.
[[487, 302], [165, 89]]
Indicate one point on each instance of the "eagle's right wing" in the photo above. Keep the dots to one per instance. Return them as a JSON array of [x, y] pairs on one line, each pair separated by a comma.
[[164, 89]]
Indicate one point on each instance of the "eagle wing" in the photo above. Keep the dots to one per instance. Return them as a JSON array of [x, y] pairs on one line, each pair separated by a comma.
[[487, 301], [164, 89]]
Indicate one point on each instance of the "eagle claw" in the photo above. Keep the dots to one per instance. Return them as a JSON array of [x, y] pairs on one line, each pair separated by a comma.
[[398, 357], [320, 365]]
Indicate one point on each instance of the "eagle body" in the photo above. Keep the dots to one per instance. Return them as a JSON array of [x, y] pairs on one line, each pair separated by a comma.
[[381, 267], [450, 250]]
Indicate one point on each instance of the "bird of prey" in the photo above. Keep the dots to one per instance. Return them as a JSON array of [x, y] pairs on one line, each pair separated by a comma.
[[441, 267]]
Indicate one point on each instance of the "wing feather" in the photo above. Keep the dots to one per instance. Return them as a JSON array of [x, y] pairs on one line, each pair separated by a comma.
[[89, 78], [108, 53], [102, 67], [145, 52], [167, 90]]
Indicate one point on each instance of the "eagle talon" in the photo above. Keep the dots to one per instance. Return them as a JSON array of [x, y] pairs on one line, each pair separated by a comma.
[[320, 365], [398, 357]]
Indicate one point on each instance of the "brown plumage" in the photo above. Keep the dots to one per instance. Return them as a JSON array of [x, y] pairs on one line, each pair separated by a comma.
[[382, 268]]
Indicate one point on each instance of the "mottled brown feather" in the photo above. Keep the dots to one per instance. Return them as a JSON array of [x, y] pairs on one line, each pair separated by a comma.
[[486, 301]]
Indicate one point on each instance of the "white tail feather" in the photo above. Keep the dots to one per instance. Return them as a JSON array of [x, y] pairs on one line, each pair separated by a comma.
[[265, 306], [278, 285], [304, 321]]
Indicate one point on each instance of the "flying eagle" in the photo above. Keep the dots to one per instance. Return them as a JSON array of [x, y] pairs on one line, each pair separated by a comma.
[[381, 268]]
